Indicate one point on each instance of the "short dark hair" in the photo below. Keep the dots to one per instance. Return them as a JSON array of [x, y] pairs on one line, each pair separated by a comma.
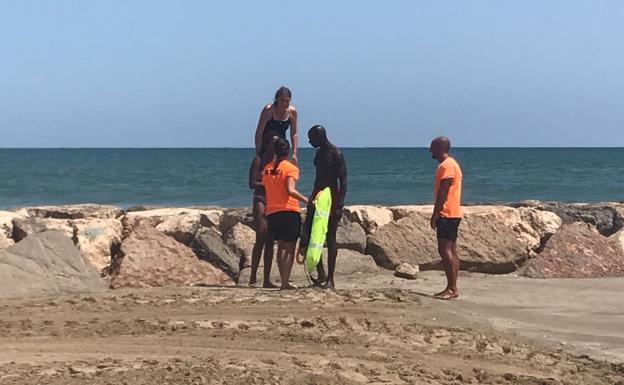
[[265, 137], [281, 148]]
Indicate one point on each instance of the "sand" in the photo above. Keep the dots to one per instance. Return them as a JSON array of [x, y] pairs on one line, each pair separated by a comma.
[[374, 330]]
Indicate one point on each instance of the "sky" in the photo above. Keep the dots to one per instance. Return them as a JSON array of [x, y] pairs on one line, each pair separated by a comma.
[[375, 74]]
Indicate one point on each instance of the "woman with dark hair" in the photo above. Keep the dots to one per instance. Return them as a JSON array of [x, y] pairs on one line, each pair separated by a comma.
[[283, 212], [259, 162], [279, 116]]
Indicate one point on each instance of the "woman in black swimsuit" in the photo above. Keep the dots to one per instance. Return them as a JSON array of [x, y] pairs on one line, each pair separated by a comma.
[[259, 162], [279, 116]]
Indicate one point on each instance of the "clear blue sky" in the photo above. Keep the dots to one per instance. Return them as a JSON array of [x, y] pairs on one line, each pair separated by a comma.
[[396, 73]]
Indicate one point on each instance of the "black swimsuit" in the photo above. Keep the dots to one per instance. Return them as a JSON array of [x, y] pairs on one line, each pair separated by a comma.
[[279, 126]]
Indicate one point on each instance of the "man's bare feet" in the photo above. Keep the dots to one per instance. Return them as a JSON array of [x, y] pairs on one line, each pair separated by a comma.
[[288, 286], [252, 281], [318, 282], [329, 285], [446, 294], [269, 285]]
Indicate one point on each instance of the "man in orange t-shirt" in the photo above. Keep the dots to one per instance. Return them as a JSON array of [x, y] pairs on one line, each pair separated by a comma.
[[447, 212]]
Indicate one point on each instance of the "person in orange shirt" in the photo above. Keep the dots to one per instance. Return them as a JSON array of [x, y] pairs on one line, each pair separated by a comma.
[[447, 212], [282, 207]]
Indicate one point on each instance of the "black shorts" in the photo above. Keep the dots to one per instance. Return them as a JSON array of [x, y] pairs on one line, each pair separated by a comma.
[[284, 226], [447, 228]]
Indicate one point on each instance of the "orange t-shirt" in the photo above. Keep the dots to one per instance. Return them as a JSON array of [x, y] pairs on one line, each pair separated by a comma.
[[449, 169], [277, 197]]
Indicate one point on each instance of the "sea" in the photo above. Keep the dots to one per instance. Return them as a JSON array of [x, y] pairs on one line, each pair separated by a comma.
[[386, 176]]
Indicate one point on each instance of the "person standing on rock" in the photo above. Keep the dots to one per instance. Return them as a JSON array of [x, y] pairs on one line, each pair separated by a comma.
[[279, 116], [331, 171], [447, 212], [260, 161], [283, 212]]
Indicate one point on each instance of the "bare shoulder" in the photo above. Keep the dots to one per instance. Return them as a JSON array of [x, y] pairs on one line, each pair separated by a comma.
[[292, 110]]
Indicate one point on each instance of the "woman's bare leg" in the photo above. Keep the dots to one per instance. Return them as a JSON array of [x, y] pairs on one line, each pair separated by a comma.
[[288, 257], [260, 223]]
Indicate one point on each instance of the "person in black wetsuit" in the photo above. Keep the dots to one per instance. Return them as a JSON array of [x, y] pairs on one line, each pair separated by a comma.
[[279, 116], [331, 171], [259, 162]]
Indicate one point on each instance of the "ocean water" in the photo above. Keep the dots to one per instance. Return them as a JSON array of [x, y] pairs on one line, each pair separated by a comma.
[[180, 177]]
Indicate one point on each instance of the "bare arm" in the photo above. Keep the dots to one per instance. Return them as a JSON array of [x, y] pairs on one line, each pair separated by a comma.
[[445, 185], [290, 187], [262, 121], [254, 172], [294, 139]]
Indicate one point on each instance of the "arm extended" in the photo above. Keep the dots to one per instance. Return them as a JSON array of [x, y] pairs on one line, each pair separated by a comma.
[[292, 191]]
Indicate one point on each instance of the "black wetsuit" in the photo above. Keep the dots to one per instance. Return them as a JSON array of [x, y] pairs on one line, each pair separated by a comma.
[[279, 126]]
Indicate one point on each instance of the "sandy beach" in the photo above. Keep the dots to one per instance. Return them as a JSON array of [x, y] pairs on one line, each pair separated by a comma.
[[504, 329]]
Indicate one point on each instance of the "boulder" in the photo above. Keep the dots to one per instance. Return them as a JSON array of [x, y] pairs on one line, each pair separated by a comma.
[[209, 246], [26, 226], [407, 271], [486, 243], [578, 250], [241, 240], [545, 223], [351, 236], [400, 212], [370, 218], [46, 263], [608, 218], [179, 223], [351, 262], [618, 238], [75, 211], [232, 217], [98, 239], [149, 258], [511, 219], [6, 228]]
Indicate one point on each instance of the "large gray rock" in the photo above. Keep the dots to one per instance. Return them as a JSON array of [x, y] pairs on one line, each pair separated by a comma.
[[46, 263], [608, 218], [241, 240], [149, 258], [25, 226], [209, 246], [486, 243], [351, 236], [232, 217], [578, 250], [75, 211]]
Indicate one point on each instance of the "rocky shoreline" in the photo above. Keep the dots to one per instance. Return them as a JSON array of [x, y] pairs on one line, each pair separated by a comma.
[[91, 247]]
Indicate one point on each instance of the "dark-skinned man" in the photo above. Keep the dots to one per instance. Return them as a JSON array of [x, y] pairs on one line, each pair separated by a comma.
[[331, 171], [447, 212]]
